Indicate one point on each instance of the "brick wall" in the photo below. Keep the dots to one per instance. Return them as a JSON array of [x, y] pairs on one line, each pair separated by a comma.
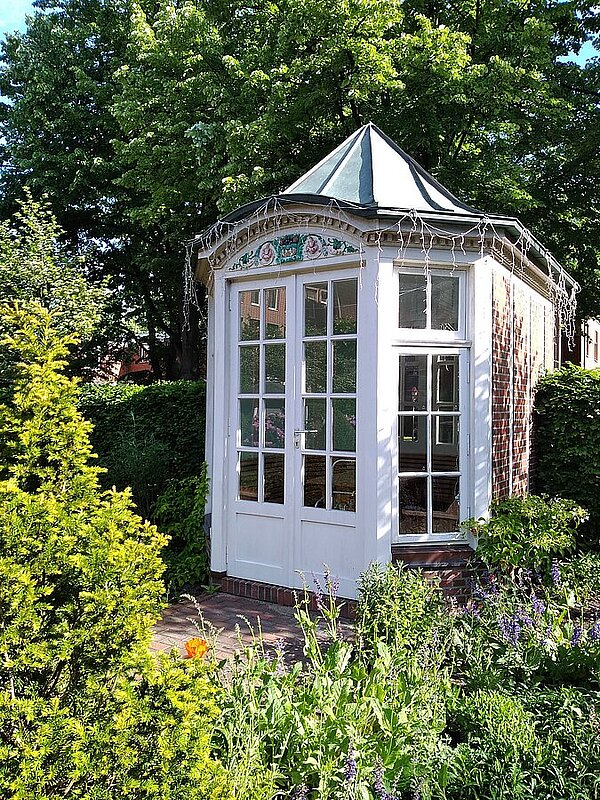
[[522, 346]]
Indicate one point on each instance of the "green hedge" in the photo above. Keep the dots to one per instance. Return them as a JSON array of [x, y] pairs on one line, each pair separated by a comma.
[[567, 440], [146, 436]]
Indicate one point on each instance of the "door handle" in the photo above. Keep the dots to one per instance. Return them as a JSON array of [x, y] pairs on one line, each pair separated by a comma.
[[298, 434]]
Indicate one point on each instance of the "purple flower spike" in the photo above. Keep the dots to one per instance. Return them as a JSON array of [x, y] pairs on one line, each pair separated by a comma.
[[555, 574], [350, 768], [594, 631], [537, 605], [577, 634], [510, 628]]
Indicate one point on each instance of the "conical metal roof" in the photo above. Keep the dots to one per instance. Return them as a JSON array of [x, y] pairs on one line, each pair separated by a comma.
[[369, 169]]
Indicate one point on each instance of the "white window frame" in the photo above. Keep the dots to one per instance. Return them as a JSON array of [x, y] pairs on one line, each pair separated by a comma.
[[424, 335], [425, 341]]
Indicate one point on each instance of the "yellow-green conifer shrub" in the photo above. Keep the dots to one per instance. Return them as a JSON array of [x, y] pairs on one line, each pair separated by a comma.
[[85, 710]]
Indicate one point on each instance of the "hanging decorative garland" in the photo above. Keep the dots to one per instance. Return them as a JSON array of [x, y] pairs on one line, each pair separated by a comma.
[[224, 240]]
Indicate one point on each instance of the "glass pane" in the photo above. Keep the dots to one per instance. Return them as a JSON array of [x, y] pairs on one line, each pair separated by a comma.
[[249, 363], [274, 369], [445, 383], [275, 313], [249, 422], [344, 424], [314, 481], [413, 301], [249, 315], [413, 383], [274, 471], [315, 357], [412, 444], [315, 309], [444, 452], [445, 505], [248, 476], [275, 423], [314, 420], [344, 306], [343, 484], [444, 303], [413, 505], [344, 365]]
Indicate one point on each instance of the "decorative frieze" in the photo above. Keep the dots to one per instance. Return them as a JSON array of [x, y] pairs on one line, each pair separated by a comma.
[[292, 247]]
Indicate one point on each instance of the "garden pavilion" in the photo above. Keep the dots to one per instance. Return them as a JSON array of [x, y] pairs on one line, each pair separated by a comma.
[[374, 344]]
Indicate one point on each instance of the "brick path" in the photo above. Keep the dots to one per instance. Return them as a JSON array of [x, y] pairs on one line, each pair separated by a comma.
[[223, 614]]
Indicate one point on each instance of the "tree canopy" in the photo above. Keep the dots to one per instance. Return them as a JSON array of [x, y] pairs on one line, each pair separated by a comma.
[[145, 121]]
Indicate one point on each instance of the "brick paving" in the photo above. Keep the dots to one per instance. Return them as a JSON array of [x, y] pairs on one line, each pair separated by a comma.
[[234, 621]]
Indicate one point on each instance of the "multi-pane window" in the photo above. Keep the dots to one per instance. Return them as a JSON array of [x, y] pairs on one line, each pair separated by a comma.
[[261, 395], [429, 418], [431, 435], [429, 301], [329, 394]]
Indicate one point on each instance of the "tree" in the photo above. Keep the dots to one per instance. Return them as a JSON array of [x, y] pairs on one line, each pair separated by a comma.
[[85, 711], [37, 266], [191, 109]]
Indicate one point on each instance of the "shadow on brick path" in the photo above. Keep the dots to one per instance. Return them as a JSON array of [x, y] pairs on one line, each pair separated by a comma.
[[227, 613]]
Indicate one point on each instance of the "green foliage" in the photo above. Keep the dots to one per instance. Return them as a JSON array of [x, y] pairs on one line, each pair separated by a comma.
[[179, 512], [36, 267], [85, 710], [501, 748], [397, 607], [146, 436], [567, 440], [527, 531], [311, 724], [144, 121], [581, 573]]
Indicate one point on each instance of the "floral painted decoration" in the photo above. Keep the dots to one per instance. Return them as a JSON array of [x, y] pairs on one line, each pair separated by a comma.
[[293, 247]]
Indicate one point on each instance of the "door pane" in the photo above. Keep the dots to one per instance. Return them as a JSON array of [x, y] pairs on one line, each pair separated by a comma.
[[344, 424], [344, 366], [315, 309], [413, 505], [275, 310], [274, 472], [315, 420], [413, 301], [444, 302], [413, 383], [344, 306], [274, 368], [343, 484], [315, 481], [445, 383], [250, 315], [248, 476], [249, 372], [445, 504], [275, 423], [444, 451], [412, 444], [315, 358], [249, 422]]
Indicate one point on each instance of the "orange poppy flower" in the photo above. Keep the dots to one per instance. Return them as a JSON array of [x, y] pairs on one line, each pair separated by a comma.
[[196, 648]]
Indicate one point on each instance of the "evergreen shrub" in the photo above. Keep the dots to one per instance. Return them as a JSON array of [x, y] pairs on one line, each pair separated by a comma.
[[86, 711], [146, 436], [567, 441]]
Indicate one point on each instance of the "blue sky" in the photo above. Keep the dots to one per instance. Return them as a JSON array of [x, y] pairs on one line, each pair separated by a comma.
[[12, 17]]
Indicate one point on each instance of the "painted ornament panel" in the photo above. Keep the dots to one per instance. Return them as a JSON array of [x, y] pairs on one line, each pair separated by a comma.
[[293, 247]]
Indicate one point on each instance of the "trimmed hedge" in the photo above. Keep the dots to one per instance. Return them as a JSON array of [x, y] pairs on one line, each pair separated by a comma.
[[567, 440], [146, 436]]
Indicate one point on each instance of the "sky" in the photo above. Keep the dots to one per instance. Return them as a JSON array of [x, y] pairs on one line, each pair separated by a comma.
[[12, 17]]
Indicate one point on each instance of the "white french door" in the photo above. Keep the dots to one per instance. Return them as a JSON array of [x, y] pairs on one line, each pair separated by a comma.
[[292, 473]]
